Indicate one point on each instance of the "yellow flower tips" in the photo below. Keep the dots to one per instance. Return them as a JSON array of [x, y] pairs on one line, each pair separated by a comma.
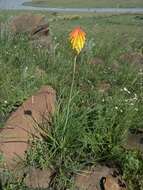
[[77, 39]]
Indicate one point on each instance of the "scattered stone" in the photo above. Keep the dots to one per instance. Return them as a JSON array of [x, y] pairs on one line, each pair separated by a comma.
[[23, 125], [115, 66], [132, 58], [38, 178], [42, 42], [97, 61], [134, 140], [39, 72], [100, 178], [104, 87]]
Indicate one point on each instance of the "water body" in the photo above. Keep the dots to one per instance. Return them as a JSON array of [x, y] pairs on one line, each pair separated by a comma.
[[18, 5], [12, 4]]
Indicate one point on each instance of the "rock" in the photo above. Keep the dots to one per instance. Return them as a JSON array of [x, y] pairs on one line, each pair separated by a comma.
[[23, 125], [41, 30], [33, 178], [38, 178], [98, 177], [41, 37], [26, 23], [42, 42], [103, 87], [134, 140], [97, 61], [35, 26], [111, 183]]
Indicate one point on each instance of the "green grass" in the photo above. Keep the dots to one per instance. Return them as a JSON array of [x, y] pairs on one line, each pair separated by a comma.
[[87, 4], [96, 130]]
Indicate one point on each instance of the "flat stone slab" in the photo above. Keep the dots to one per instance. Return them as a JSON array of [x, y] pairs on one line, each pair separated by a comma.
[[23, 125], [99, 178]]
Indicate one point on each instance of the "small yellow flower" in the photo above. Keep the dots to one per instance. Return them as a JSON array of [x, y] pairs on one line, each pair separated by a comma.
[[77, 39]]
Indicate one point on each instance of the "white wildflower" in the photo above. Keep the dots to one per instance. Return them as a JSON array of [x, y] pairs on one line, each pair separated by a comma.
[[135, 97], [132, 104], [126, 90]]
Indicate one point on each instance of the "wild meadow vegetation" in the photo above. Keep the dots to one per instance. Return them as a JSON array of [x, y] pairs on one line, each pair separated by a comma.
[[99, 120], [87, 4]]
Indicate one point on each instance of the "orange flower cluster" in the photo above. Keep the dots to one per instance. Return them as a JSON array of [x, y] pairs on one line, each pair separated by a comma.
[[77, 39]]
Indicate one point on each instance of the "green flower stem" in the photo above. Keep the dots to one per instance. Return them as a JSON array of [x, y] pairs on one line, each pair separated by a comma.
[[71, 92]]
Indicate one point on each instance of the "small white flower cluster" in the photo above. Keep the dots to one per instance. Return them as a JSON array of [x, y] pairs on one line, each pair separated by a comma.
[[126, 90], [90, 45], [7, 53], [130, 101], [117, 108]]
